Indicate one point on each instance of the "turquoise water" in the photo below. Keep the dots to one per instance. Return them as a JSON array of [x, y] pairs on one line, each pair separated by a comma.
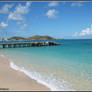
[[64, 67]]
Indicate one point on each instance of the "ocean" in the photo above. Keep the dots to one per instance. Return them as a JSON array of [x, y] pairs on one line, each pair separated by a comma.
[[64, 67]]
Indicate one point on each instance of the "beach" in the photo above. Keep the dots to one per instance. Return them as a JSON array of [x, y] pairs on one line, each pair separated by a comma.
[[15, 80]]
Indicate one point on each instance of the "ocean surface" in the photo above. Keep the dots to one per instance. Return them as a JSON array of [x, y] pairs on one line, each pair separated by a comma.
[[64, 67]]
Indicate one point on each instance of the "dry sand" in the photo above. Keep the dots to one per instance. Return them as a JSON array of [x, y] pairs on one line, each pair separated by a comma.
[[15, 80]]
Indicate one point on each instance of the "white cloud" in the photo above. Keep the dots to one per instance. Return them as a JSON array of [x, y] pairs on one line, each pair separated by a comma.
[[79, 4], [3, 25], [5, 8], [17, 14], [19, 11], [85, 32], [52, 13], [53, 4]]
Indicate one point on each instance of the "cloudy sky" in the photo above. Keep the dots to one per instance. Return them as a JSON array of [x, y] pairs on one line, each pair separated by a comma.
[[70, 20]]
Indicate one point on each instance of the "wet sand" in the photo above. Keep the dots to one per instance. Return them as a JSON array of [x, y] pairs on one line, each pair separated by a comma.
[[15, 80]]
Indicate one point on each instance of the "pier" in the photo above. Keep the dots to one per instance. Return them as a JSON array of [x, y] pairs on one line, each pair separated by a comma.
[[27, 44]]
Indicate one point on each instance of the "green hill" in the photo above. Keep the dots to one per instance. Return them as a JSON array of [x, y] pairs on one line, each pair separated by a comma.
[[38, 37], [16, 38]]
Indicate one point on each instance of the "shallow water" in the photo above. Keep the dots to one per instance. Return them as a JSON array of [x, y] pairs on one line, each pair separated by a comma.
[[64, 67]]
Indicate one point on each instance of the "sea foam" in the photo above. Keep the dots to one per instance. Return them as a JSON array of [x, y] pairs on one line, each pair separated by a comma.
[[52, 83]]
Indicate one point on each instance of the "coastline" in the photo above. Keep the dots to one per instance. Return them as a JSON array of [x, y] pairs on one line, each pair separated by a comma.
[[11, 79]]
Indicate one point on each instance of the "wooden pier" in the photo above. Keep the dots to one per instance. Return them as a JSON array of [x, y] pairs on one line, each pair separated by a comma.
[[27, 44]]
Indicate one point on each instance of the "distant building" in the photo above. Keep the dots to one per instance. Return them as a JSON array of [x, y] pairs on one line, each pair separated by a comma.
[[4, 39], [0, 39]]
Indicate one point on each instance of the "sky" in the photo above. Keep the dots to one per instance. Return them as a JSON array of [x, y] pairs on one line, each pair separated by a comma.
[[64, 19]]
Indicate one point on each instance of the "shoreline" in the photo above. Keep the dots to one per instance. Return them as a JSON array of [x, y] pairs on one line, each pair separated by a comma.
[[11, 79], [43, 85]]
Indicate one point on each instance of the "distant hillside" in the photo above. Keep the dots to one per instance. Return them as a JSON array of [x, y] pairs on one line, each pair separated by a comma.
[[16, 38], [38, 37]]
